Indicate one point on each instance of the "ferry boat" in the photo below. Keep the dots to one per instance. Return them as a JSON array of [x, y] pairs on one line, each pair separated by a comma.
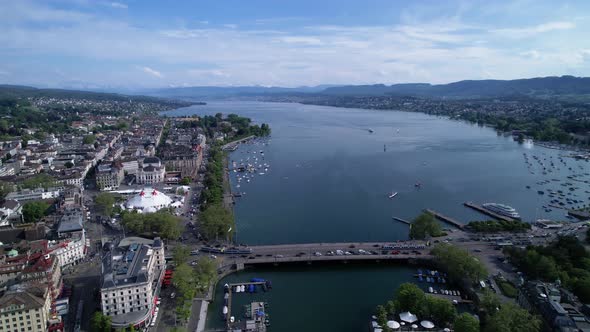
[[502, 209]]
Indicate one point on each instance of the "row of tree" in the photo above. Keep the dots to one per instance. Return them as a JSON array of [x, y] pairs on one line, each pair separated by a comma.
[[215, 220], [190, 280], [160, 223], [491, 226], [565, 259]]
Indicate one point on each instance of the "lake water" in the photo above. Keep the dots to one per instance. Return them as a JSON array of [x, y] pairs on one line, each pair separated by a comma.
[[329, 179]]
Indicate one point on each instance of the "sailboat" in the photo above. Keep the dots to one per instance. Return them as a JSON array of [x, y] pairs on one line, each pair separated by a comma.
[[392, 195]]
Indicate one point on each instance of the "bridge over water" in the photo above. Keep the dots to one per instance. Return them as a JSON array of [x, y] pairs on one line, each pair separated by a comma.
[[329, 252]]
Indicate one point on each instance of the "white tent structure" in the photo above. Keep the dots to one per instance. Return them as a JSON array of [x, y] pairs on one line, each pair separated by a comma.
[[408, 317], [427, 324], [393, 324], [148, 200]]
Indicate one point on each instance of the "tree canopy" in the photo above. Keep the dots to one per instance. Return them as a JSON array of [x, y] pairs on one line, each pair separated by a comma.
[[409, 297], [33, 211], [565, 259], [458, 262], [216, 221], [89, 139], [424, 226], [162, 223], [466, 322], [104, 202], [100, 322]]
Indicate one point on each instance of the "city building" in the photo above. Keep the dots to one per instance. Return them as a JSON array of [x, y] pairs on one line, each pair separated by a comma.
[[109, 177], [131, 281], [151, 171], [559, 309], [10, 211], [26, 195], [25, 309]]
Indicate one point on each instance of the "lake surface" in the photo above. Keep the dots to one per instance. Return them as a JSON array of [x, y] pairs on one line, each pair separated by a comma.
[[330, 298], [329, 177]]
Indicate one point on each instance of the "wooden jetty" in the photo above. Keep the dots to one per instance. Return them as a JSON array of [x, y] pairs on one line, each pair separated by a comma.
[[494, 215], [446, 219], [402, 220]]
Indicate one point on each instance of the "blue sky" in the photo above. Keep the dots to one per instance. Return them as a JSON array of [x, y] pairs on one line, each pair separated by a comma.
[[146, 44]]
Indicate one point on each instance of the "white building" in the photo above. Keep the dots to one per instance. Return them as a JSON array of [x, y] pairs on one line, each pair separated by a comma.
[[71, 252], [131, 282], [35, 194], [151, 171]]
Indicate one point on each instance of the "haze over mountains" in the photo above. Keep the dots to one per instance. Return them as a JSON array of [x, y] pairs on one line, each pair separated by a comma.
[[534, 87]]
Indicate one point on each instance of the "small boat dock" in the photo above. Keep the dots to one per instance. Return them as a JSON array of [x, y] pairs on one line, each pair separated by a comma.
[[444, 218], [494, 215], [401, 220], [246, 287]]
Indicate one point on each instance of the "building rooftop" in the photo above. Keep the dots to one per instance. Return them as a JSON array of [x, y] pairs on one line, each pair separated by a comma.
[[71, 221], [126, 265]]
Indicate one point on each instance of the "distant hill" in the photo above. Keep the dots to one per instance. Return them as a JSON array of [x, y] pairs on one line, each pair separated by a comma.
[[219, 92], [537, 87], [21, 91]]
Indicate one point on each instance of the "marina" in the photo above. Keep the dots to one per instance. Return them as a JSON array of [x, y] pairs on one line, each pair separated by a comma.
[[255, 317]]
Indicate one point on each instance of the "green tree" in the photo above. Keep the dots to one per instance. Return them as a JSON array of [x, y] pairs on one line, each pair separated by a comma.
[[100, 323], [180, 254], [513, 318], [104, 202], [216, 221], [440, 310], [381, 314], [205, 274], [89, 139], [409, 297], [458, 262], [424, 226], [33, 211], [69, 164], [5, 189], [466, 322], [185, 181], [39, 181]]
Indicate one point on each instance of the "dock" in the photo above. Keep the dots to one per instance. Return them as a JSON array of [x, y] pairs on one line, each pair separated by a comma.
[[480, 209], [582, 215], [444, 218], [231, 288], [402, 220]]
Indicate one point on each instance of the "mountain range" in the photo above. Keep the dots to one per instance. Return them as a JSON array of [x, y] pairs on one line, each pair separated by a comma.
[[533, 87], [553, 86]]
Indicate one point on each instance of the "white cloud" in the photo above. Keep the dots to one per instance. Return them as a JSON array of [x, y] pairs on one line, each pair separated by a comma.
[[535, 30], [532, 54], [152, 72], [300, 40], [118, 5], [434, 51]]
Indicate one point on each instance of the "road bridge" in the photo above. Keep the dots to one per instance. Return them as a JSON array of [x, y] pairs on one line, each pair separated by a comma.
[[326, 252]]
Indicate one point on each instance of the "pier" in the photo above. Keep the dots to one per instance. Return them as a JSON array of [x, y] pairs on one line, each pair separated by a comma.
[[446, 219], [230, 291], [402, 220], [494, 215]]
